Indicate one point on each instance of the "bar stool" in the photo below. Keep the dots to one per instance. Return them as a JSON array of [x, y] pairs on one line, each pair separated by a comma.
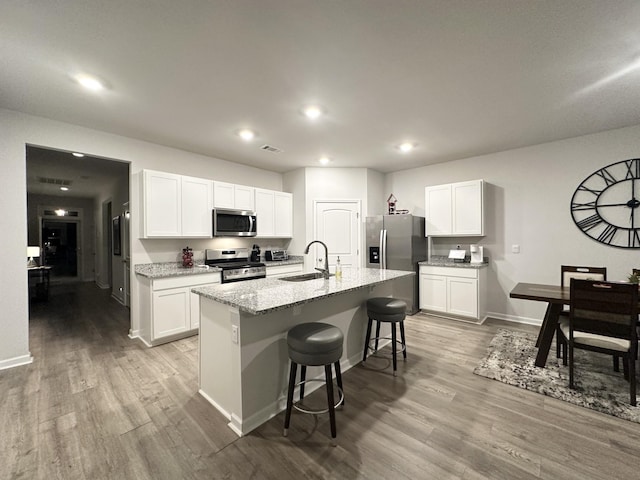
[[386, 309], [314, 344]]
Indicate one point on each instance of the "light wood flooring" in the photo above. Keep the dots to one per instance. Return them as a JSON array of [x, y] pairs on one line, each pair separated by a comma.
[[97, 405]]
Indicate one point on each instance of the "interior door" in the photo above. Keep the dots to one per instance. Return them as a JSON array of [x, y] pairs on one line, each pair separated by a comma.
[[337, 224]]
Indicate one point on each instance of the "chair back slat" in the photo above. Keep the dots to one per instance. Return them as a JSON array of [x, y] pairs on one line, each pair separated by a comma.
[[604, 308], [567, 272]]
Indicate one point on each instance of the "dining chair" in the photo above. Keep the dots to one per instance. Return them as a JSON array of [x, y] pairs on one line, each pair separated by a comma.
[[602, 318], [567, 272]]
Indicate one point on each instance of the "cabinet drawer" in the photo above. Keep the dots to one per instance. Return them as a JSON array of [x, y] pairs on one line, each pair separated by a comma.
[[449, 271], [185, 281], [274, 271]]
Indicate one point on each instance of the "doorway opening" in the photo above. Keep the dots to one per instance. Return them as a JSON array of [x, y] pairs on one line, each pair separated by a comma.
[[60, 244]]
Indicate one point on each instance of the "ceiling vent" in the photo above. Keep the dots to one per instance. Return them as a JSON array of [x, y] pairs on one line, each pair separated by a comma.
[[270, 148], [55, 181]]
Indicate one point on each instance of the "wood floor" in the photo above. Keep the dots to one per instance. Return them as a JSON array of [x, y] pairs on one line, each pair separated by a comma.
[[96, 405]]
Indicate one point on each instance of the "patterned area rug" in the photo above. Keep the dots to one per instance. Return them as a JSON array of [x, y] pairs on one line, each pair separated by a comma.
[[510, 360]]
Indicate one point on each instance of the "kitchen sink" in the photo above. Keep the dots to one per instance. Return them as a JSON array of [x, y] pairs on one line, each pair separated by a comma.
[[303, 277]]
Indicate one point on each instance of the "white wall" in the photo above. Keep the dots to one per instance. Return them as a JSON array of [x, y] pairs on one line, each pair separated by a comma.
[[528, 195], [18, 130]]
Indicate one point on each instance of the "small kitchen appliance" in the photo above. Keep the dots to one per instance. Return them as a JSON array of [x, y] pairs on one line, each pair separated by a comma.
[[477, 253], [234, 264], [276, 255], [255, 253]]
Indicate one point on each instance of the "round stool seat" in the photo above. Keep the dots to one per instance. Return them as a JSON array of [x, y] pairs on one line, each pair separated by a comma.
[[315, 343], [385, 309]]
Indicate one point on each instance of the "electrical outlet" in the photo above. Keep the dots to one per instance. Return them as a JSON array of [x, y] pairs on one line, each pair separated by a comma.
[[234, 333]]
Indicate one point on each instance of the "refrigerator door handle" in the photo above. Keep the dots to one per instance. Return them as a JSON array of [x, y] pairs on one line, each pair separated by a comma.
[[383, 249]]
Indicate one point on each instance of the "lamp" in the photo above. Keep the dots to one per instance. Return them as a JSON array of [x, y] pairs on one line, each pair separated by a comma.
[[32, 252]]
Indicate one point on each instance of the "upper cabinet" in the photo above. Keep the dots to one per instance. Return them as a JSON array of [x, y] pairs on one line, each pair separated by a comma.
[[175, 206], [455, 209], [274, 211], [229, 195]]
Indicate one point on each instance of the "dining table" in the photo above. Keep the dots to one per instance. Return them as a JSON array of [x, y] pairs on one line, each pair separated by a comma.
[[556, 298]]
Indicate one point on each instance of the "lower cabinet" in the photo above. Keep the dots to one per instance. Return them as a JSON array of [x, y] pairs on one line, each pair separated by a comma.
[[169, 310], [453, 291], [284, 270]]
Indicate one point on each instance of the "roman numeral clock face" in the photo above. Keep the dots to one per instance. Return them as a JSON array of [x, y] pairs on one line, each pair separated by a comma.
[[606, 205]]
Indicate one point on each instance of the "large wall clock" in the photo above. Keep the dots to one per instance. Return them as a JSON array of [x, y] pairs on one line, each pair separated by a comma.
[[605, 205]]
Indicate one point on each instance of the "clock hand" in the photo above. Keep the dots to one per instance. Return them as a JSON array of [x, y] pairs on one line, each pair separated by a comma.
[[626, 204]]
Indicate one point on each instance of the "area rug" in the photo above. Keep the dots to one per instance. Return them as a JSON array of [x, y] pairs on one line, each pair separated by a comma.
[[510, 359]]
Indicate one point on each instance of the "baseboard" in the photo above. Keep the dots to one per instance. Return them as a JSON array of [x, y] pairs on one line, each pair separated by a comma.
[[118, 299], [515, 319], [16, 361], [103, 286]]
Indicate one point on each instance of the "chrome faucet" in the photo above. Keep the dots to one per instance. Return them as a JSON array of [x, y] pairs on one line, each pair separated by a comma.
[[325, 270]]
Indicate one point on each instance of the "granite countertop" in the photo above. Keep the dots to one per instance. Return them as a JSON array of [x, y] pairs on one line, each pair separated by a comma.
[[266, 295], [175, 269], [171, 269], [444, 261]]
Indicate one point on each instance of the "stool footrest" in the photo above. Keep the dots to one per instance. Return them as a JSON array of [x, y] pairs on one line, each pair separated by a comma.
[[297, 406]]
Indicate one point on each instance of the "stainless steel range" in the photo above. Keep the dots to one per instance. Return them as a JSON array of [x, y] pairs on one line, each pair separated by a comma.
[[235, 264]]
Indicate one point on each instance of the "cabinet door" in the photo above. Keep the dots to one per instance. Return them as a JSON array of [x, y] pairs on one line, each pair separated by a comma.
[[197, 203], [433, 293], [462, 296], [170, 312], [467, 208], [437, 204], [244, 197], [223, 195], [265, 212], [283, 218], [162, 204]]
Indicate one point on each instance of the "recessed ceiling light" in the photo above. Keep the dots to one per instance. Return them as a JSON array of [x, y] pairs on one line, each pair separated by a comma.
[[324, 160], [246, 134], [76, 154], [312, 112], [406, 147], [64, 189], [90, 83]]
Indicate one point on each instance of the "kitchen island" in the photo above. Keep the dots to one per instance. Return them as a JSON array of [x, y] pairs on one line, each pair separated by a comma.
[[243, 326]]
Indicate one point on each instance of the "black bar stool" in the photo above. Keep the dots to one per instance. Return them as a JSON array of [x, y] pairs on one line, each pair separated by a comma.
[[386, 309], [314, 344]]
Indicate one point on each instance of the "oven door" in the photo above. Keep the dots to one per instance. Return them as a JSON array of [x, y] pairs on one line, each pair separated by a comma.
[[234, 223]]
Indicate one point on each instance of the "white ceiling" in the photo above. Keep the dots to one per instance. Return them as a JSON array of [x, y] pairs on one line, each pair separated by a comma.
[[457, 77], [86, 177]]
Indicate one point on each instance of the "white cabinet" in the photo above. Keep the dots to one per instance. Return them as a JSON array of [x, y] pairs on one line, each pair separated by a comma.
[[274, 211], [283, 220], [454, 209], [284, 270], [229, 195], [454, 291], [175, 206], [169, 310]]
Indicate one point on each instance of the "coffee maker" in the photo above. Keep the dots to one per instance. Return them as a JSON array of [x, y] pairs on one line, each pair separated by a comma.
[[477, 253], [255, 254]]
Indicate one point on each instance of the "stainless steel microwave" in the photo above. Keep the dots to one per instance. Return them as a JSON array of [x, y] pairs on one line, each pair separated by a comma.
[[234, 223]]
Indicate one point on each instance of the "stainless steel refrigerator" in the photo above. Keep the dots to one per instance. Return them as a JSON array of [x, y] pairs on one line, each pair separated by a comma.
[[397, 242]]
